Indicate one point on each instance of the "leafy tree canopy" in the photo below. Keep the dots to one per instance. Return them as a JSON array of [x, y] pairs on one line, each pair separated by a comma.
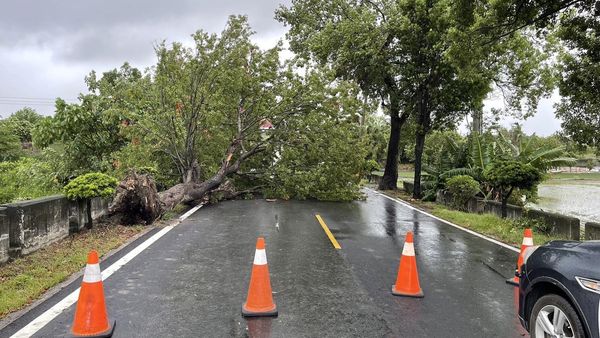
[[436, 60], [10, 146], [579, 84], [22, 123], [27, 178], [507, 174]]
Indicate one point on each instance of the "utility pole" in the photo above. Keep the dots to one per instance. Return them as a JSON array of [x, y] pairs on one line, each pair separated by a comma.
[[477, 126]]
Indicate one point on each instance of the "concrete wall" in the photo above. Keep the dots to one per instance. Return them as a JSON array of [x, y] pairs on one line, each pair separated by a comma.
[[493, 207], [33, 224], [479, 206], [4, 241], [592, 231], [564, 226], [78, 217], [30, 225]]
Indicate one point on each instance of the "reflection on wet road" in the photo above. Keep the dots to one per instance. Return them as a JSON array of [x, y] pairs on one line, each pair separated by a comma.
[[462, 276]]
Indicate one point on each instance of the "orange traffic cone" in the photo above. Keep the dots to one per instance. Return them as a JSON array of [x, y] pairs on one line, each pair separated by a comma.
[[527, 242], [260, 297], [407, 282], [91, 319]]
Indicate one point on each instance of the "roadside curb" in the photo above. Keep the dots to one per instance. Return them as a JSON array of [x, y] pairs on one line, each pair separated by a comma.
[[487, 238]]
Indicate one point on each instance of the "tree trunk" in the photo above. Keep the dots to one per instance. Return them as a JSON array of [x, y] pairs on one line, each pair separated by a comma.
[[390, 174], [193, 192], [419, 147], [505, 198], [192, 173], [389, 181], [477, 127], [136, 200], [423, 126]]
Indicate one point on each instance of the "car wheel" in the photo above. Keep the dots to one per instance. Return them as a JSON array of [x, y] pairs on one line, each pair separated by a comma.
[[553, 316]]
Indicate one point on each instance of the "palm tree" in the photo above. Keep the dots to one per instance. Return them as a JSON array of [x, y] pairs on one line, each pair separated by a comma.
[[542, 159], [453, 156], [482, 150]]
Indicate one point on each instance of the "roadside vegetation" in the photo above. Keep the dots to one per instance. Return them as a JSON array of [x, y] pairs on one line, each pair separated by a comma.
[[505, 230], [220, 119], [25, 279]]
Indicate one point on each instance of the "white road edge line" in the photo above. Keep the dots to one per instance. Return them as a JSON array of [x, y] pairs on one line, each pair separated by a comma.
[[190, 212], [449, 223], [43, 319]]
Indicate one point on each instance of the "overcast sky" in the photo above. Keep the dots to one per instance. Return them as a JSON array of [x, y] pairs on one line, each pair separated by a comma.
[[47, 47]]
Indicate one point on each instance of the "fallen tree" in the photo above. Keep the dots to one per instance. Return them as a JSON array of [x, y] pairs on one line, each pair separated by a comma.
[[198, 120], [136, 200], [191, 192]]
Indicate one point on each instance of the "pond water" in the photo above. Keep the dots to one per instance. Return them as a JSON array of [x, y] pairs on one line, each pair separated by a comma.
[[572, 198]]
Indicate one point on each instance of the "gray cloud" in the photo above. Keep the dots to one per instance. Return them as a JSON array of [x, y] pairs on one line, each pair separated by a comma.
[[47, 47], [80, 31]]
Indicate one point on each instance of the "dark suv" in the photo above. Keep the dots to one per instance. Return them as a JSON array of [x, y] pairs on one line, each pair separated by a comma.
[[559, 292]]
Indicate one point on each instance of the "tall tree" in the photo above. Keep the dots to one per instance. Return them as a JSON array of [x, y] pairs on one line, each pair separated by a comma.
[[579, 83], [10, 147], [434, 60], [23, 121], [357, 39], [91, 130]]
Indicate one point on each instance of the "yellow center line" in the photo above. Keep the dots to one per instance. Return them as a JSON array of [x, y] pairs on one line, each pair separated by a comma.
[[329, 234]]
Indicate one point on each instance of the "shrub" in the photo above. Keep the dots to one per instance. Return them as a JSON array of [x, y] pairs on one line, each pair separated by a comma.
[[506, 175], [462, 188], [536, 225], [512, 174], [91, 185], [521, 197]]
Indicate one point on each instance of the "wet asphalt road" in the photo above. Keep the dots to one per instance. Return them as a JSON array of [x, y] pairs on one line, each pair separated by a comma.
[[192, 281]]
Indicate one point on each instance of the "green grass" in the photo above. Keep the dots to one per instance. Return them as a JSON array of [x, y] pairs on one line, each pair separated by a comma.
[[403, 175], [573, 179], [406, 175], [504, 230], [25, 279], [490, 225], [575, 176]]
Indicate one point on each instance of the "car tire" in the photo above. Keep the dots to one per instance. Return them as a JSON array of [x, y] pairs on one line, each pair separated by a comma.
[[546, 306]]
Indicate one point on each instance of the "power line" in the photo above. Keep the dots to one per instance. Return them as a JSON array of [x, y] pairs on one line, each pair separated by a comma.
[[29, 101], [32, 98], [27, 104]]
